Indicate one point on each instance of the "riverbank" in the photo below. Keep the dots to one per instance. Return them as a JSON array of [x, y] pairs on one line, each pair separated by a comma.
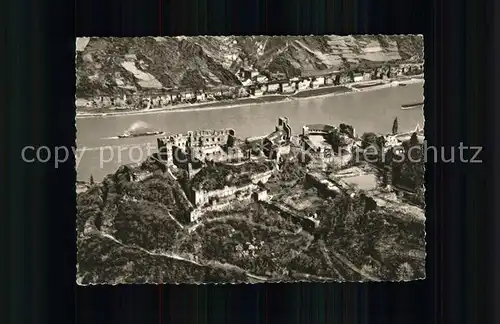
[[362, 87], [325, 91], [388, 84], [413, 105], [192, 107]]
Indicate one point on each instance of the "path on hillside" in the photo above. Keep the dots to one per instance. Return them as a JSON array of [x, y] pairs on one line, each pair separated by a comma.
[[324, 251], [343, 260], [233, 217], [217, 264], [247, 220], [175, 220], [193, 228]]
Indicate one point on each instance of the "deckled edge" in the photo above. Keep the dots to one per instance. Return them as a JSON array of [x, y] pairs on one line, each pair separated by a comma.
[[426, 197], [75, 168]]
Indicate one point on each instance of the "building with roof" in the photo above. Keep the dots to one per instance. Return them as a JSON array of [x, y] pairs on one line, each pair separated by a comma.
[[330, 79], [314, 141], [391, 141], [222, 183], [257, 92], [201, 96], [260, 79], [318, 73], [188, 95], [243, 92], [273, 87], [357, 77], [247, 82], [260, 195], [318, 82], [344, 78], [304, 84], [246, 73], [277, 75], [325, 186], [278, 142], [317, 129], [288, 87]]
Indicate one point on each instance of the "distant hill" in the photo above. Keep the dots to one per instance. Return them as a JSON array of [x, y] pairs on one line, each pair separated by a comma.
[[137, 65]]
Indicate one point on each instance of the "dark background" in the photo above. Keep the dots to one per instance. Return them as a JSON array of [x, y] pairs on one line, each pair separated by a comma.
[[37, 82]]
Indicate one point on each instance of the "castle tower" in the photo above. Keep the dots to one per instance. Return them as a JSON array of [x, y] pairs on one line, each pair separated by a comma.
[[278, 156], [190, 144], [305, 131], [284, 126], [387, 176]]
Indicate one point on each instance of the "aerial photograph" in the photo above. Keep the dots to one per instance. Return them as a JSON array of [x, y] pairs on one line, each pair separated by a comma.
[[250, 159]]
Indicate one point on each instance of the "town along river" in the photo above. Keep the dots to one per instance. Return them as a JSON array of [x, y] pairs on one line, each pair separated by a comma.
[[369, 111]]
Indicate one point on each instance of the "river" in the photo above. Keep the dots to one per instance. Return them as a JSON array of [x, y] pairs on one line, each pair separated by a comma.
[[367, 111]]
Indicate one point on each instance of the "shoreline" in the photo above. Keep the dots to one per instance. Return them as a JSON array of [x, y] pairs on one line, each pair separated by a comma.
[[267, 99]]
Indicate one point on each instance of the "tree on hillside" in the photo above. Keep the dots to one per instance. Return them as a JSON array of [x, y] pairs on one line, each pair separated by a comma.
[[383, 41], [347, 130], [337, 80], [373, 146], [351, 75], [414, 139], [420, 195], [395, 126], [335, 139], [414, 149], [405, 272], [91, 181], [381, 142], [84, 87], [410, 171], [380, 149]]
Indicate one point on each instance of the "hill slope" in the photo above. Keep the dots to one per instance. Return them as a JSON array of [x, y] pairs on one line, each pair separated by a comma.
[[120, 65]]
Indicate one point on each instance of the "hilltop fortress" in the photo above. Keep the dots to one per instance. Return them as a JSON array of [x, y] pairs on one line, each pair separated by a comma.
[[222, 168]]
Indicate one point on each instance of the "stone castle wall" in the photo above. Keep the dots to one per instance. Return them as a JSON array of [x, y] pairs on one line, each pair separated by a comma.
[[210, 137]]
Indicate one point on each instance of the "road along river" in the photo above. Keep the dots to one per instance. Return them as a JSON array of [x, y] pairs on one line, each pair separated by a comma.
[[367, 111]]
